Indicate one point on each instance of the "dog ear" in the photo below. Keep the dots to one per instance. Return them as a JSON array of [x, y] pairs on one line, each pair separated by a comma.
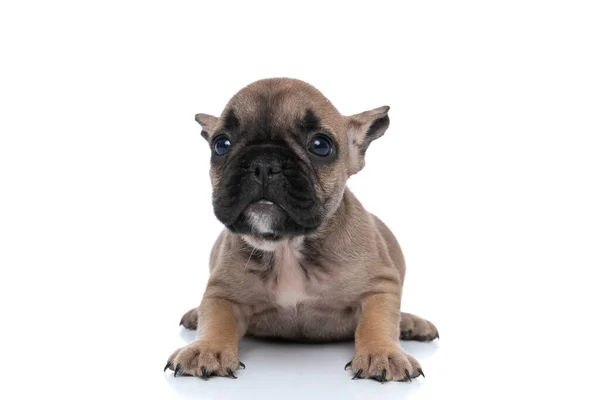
[[208, 123], [363, 128]]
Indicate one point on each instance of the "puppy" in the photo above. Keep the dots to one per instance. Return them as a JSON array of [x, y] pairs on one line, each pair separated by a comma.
[[299, 258]]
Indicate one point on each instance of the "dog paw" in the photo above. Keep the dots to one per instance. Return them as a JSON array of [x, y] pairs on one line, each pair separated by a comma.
[[416, 328], [384, 363], [203, 360], [190, 319]]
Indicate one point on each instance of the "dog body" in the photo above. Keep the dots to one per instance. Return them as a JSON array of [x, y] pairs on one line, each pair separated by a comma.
[[297, 290], [300, 258]]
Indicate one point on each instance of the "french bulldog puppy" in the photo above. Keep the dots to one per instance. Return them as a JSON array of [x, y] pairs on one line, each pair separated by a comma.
[[300, 258]]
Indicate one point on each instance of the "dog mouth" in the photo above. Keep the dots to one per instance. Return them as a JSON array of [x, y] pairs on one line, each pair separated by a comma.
[[264, 202]]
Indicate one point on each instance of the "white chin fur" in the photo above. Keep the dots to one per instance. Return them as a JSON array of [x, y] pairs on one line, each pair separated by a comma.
[[267, 245], [260, 243], [260, 223]]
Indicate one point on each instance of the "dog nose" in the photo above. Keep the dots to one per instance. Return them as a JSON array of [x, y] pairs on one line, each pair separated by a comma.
[[264, 170]]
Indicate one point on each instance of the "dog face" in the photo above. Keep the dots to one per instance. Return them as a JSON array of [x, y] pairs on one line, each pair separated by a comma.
[[281, 156]]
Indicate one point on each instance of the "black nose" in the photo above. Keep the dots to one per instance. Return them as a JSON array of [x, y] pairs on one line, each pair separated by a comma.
[[265, 169]]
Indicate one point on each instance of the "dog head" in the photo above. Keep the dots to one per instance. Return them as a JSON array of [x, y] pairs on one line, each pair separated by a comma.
[[281, 156]]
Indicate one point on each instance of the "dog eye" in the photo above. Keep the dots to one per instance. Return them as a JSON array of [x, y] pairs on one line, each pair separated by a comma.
[[320, 145], [221, 145]]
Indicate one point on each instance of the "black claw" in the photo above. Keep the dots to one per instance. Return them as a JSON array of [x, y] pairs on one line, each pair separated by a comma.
[[381, 377], [347, 365], [176, 371], [181, 322], [357, 375], [205, 373], [420, 371], [437, 335], [167, 366], [407, 375], [230, 373], [242, 365]]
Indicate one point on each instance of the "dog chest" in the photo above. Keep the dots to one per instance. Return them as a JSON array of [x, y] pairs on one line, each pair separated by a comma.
[[288, 283]]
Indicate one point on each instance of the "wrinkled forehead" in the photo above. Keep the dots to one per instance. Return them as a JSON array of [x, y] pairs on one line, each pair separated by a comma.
[[280, 108]]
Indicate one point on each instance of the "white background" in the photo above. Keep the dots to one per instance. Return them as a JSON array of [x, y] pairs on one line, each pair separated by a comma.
[[488, 175]]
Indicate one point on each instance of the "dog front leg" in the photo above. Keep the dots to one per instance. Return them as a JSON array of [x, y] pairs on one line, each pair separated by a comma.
[[377, 353], [220, 326]]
